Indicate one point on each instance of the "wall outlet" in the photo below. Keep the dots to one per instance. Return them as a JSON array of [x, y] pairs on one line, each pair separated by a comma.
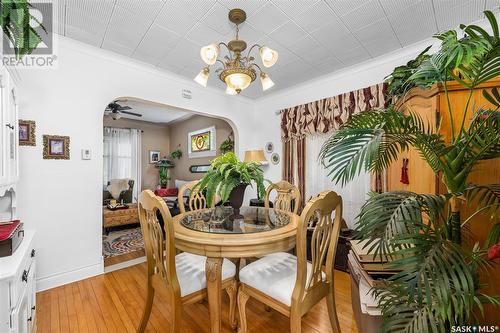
[[86, 154]]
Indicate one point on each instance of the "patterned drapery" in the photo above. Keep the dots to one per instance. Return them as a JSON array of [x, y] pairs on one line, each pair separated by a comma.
[[294, 163], [323, 116], [328, 114]]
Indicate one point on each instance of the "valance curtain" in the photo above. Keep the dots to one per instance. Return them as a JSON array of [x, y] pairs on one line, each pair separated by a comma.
[[122, 156], [321, 117]]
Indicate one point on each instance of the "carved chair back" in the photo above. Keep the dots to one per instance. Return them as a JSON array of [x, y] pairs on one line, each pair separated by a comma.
[[159, 244], [287, 196], [196, 200], [323, 214]]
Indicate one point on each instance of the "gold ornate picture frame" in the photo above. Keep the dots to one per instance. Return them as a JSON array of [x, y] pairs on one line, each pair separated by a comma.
[[27, 133], [55, 147]]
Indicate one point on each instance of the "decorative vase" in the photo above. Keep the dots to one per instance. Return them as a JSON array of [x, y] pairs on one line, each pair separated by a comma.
[[236, 200]]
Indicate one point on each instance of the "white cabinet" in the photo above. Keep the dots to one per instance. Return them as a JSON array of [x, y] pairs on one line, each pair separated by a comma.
[[9, 133], [17, 288]]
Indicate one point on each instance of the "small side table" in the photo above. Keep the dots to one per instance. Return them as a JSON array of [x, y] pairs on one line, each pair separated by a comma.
[[113, 218]]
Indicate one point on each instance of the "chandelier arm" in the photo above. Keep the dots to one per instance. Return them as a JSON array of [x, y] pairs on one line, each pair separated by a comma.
[[228, 50], [222, 62], [222, 43], [248, 54], [260, 69]]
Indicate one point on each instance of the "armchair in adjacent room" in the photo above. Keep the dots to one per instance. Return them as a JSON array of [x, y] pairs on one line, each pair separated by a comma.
[[125, 195]]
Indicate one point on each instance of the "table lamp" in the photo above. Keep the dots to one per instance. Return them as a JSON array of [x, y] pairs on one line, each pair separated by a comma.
[[256, 156]]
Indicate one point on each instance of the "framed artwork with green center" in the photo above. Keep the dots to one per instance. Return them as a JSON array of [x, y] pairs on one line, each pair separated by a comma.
[[201, 143]]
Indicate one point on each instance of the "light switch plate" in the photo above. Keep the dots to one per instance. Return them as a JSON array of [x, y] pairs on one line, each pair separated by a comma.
[[86, 154]]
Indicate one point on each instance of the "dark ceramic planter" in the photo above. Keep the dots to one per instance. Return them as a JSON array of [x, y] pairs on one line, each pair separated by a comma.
[[236, 200]]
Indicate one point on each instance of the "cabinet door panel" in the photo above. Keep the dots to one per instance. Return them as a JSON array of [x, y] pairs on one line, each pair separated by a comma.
[[3, 130], [19, 316], [13, 132], [422, 178]]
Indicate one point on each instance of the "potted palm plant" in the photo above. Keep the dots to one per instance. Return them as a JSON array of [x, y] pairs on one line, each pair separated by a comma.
[[228, 177], [438, 285]]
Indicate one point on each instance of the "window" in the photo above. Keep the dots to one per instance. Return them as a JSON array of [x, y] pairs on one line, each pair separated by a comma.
[[121, 156]]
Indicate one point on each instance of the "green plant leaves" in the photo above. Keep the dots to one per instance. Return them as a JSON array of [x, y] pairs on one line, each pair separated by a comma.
[[225, 173], [493, 97], [371, 141], [397, 81], [485, 197]]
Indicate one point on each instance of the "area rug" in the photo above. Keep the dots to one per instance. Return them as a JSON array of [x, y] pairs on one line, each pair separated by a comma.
[[121, 242]]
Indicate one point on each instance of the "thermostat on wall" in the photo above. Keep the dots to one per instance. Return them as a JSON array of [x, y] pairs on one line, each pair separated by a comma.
[[86, 154]]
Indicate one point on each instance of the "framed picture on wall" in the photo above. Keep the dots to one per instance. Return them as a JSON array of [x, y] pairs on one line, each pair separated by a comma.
[[201, 143], [55, 147], [154, 156], [27, 133]]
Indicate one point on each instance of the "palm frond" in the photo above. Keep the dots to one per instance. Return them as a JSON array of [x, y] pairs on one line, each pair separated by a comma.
[[387, 216], [369, 141], [432, 148], [482, 139], [493, 97], [493, 236], [485, 198], [437, 283]]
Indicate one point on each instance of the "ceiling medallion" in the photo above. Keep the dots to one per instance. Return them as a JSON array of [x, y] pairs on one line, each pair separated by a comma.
[[238, 71]]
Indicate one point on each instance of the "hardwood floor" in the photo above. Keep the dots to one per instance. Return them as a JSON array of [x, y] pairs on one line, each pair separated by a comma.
[[123, 258], [113, 302]]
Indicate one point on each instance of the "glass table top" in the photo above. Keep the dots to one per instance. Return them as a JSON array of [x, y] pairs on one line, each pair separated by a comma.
[[221, 220]]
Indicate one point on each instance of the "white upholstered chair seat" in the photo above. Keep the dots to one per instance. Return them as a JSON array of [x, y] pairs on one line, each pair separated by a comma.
[[274, 275], [191, 272]]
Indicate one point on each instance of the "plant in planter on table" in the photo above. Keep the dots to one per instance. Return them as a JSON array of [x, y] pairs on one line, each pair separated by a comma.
[[438, 285], [228, 177], [163, 165]]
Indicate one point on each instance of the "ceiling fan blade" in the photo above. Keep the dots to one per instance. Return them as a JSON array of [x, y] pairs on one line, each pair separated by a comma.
[[122, 108], [132, 113]]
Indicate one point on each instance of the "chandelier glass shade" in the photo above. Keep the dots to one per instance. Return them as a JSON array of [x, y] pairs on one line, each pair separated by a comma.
[[237, 70]]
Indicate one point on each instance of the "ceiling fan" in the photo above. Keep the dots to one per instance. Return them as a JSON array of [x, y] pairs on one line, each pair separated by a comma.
[[115, 110]]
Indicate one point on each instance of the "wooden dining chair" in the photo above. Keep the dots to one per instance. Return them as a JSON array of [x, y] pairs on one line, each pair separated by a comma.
[[287, 196], [290, 284], [180, 277], [196, 200]]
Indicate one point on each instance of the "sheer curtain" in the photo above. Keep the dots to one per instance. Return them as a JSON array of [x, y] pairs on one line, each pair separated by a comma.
[[122, 156], [354, 194]]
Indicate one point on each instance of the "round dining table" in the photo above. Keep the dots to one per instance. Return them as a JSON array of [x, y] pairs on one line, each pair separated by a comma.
[[216, 233]]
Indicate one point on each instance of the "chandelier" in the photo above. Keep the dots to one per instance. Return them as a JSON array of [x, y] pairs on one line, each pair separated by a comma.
[[238, 71]]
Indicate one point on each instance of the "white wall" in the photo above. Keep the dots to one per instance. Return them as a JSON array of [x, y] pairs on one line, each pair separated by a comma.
[[61, 199]]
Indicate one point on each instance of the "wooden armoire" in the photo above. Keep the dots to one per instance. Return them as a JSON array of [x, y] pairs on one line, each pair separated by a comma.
[[432, 105]]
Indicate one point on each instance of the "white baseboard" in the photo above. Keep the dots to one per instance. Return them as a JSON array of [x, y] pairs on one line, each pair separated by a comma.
[[124, 264], [60, 279]]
